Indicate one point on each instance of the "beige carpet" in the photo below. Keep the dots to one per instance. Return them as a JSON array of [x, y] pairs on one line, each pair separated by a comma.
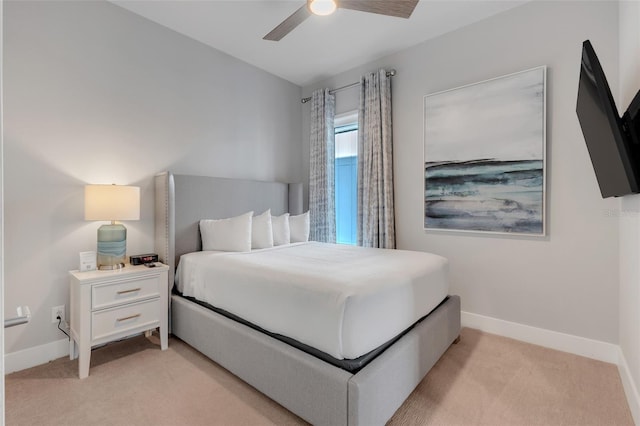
[[483, 380]]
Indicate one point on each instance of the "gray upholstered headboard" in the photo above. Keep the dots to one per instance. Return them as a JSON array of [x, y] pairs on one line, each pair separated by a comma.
[[182, 200]]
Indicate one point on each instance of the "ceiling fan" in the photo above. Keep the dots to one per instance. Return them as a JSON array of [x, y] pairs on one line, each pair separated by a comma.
[[398, 8]]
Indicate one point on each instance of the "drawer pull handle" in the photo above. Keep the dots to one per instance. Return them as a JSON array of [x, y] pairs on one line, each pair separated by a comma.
[[128, 318], [129, 291]]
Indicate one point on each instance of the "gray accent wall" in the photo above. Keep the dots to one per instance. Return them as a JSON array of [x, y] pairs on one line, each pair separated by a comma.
[[96, 94], [567, 282]]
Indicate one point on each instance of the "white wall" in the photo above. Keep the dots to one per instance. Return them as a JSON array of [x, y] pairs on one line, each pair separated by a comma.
[[568, 281], [1, 222], [96, 94], [630, 215]]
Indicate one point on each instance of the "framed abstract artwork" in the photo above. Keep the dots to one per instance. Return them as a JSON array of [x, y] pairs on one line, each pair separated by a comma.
[[484, 156]]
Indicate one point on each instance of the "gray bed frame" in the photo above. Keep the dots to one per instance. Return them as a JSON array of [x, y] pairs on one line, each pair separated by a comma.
[[309, 387]]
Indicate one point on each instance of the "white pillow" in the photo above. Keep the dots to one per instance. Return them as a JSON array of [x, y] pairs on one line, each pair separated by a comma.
[[299, 227], [261, 231], [232, 234], [281, 233]]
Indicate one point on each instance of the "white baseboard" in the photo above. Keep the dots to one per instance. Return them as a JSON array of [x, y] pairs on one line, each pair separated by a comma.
[[27, 358], [630, 389], [589, 348], [595, 349]]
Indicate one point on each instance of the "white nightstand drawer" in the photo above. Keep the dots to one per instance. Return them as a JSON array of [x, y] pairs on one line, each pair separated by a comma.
[[109, 323], [125, 291]]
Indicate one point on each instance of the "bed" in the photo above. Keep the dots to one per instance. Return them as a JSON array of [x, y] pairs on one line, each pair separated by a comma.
[[318, 391]]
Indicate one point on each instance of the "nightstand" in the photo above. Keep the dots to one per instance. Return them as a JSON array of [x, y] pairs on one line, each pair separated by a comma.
[[110, 305]]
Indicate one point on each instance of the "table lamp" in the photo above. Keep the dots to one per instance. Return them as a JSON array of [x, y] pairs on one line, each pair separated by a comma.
[[111, 202]]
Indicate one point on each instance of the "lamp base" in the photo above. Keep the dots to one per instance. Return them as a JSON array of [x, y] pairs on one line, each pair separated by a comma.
[[112, 246], [110, 267]]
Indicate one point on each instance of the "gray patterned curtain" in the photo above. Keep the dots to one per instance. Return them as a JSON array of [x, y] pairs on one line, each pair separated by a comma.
[[322, 211], [376, 224]]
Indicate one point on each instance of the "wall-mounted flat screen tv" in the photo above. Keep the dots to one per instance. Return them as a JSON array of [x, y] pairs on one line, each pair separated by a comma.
[[612, 140]]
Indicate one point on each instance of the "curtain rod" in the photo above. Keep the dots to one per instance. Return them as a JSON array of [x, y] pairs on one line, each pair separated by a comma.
[[348, 86]]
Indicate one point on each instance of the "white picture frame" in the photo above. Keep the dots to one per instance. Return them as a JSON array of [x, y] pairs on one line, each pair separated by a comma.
[[485, 156]]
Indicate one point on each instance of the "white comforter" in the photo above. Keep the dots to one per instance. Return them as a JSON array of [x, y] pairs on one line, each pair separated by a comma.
[[340, 299]]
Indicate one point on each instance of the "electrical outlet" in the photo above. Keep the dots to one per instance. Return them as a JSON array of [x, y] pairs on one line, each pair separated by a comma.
[[55, 312]]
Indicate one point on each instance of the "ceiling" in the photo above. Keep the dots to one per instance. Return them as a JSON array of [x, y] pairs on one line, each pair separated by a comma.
[[320, 47]]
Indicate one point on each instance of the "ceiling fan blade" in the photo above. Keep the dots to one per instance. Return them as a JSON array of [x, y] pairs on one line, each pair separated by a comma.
[[399, 8], [288, 24]]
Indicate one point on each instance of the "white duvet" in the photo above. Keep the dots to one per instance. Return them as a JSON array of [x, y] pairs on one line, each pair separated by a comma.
[[342, 300]]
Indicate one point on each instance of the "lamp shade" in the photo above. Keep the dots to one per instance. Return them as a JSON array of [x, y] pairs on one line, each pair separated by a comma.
[[111, 202]]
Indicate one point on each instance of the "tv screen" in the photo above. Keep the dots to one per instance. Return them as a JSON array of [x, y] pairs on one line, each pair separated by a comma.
[[612, 152]]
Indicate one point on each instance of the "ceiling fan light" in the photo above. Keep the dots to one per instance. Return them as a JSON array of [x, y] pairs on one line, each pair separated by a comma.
[[322, 7]]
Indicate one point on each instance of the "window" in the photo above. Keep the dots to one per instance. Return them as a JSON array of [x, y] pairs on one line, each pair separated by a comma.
[[346, 175]]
